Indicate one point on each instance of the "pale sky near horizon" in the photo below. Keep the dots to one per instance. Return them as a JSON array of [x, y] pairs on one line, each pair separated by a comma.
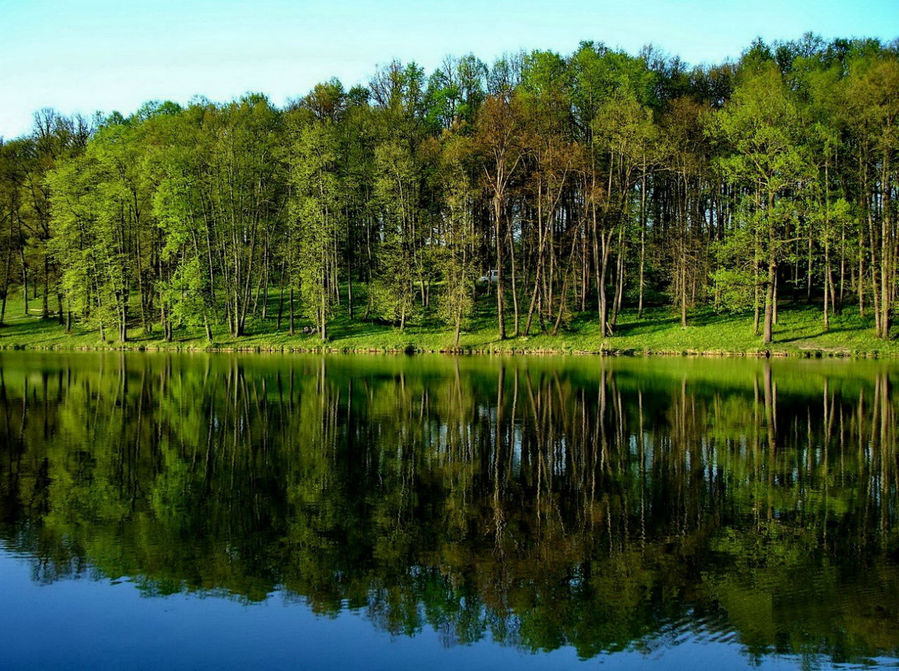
[[113, 55]]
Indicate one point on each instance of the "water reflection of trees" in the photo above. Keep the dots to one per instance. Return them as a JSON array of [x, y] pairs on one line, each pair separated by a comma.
[[598, 508]]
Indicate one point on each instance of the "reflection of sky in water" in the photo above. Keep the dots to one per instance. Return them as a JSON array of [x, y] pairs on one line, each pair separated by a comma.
[[94, 624]]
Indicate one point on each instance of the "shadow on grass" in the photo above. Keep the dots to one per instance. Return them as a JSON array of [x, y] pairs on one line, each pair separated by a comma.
[[819, 334], [644, 327], [33, 327]]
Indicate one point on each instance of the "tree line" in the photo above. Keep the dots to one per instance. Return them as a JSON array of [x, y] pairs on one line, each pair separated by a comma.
[[578, 184]]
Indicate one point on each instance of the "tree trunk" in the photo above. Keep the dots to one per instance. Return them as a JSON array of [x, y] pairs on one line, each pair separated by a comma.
[[280, 297], [827, 296], [886, 253], [515, 318], [290, 313], [642, 238], [605, 327], [774, 301], [6, 269], [498, 235], [349, 291], [24, 279], [769, 301], [45, 299]]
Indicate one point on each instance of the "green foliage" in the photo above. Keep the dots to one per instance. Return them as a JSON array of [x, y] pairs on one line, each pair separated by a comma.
[[592, 181], [315, 208]]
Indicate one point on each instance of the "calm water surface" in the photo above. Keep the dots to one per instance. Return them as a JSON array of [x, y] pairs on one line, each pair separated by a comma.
[[195, 511]]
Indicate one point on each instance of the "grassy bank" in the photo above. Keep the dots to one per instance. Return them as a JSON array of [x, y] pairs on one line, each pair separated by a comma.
[[799, 333]]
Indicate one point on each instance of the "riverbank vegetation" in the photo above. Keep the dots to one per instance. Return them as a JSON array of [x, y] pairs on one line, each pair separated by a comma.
[[593, 201], [656, 331]]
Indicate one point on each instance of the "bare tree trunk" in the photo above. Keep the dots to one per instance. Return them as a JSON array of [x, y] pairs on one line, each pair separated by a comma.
[[349, 288], [265, 279], [24, 279], [516, 320], [281, 297], [498, 234], [45, 299], [683, 290], [886, 252], [290, 313], [860, 285], [642, 238], [605, 327], [6, 271], [826, 284], [769, 299], [774, 302]]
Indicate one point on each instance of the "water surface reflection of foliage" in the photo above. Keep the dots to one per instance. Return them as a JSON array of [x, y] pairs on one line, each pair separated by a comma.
[[593, 503]]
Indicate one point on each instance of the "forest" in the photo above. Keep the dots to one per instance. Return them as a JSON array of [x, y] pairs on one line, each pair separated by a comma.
[[544, 188]]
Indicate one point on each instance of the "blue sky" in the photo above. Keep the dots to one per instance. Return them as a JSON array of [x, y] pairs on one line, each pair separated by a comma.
[[113, 55]]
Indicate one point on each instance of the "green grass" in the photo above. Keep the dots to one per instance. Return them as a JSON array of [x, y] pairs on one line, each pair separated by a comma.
[[799, 333]]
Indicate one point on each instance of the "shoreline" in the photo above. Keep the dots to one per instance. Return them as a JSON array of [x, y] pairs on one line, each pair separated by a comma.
[[657, 333], [773, 353]]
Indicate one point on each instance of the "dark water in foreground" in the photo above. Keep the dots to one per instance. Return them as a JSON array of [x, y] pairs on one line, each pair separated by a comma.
[[194, 511]]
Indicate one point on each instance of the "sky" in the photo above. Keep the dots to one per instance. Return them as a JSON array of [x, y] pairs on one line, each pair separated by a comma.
[[87, 55]]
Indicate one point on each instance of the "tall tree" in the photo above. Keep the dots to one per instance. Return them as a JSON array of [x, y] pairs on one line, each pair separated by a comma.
[[315, 209], [499, 135], [762, 124]]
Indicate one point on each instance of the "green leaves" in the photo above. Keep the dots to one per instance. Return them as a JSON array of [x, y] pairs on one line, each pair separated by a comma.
[[761, 122], [587, 181], [315, 208]]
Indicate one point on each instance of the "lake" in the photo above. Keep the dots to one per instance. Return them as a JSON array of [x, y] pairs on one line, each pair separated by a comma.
[[209, 511]]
